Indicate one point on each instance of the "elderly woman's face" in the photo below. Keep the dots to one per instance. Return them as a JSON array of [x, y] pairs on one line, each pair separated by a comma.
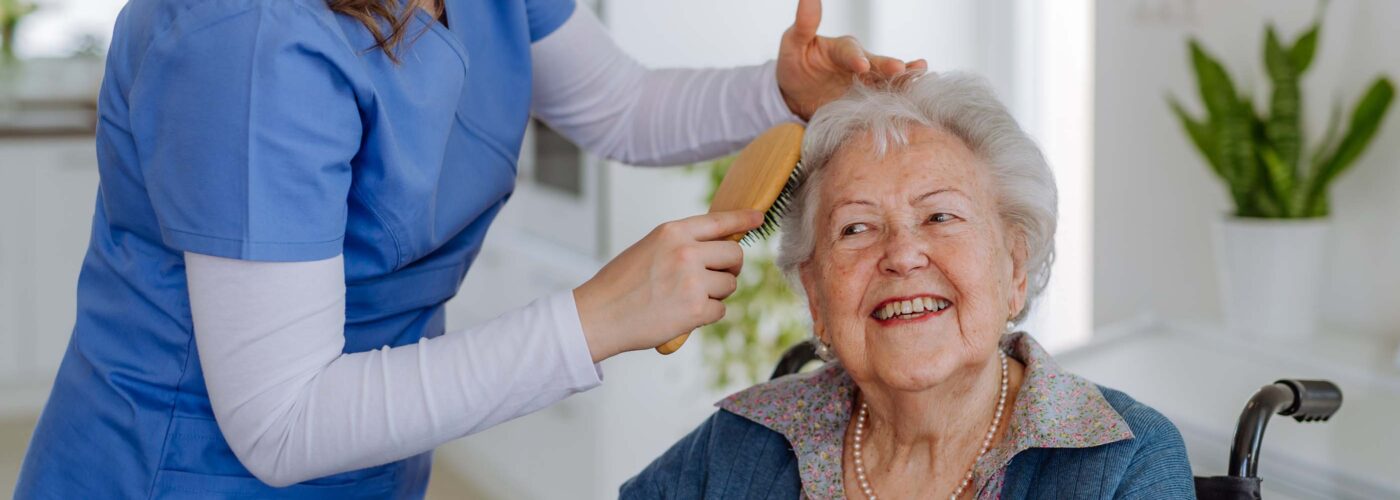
[[916, 228]]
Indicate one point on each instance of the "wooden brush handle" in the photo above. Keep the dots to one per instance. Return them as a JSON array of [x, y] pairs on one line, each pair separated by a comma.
[[754, 181], [673, 345]]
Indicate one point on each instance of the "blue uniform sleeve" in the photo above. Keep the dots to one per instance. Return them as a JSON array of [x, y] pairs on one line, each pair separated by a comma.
[[545, 16], [245, 126]]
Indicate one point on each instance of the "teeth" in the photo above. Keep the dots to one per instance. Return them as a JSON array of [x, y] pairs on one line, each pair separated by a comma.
[[912, 306]]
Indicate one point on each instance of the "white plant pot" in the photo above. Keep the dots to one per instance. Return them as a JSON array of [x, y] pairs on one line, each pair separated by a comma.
[[1270, 273]]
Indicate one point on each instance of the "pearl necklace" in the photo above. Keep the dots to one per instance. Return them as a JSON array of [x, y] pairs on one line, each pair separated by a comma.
[[986, 442]]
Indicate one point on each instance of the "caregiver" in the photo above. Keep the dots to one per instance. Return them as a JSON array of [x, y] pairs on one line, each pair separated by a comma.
[[291, 189]]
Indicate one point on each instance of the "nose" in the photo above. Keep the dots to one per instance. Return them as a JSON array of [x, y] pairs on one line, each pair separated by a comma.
[[904, 253]]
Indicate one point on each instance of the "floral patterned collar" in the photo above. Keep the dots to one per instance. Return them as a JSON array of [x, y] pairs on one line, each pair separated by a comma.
[[1054, 409]]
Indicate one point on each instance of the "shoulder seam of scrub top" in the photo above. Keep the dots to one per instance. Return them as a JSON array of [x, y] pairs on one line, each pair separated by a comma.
[[200, 24]]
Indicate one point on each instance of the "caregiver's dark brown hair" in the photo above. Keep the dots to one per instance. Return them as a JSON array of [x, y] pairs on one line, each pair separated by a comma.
[[375, 13]]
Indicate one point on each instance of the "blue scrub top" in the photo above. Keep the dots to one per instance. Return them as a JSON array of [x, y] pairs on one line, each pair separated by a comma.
[[269, 130]]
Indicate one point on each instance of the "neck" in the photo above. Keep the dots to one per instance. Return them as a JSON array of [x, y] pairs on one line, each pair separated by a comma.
[[938, 414], [934, 435]]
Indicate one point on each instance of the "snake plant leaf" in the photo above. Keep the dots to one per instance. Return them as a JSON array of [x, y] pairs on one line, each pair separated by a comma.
[[1229, 120], [1365, 121], [1329, 139], [1283, 127], [1280, 180], [1217, 91], [1235, 137], [1308, 176], [1262, 205], [1305, 48], [1320, 206], [1202, 135]]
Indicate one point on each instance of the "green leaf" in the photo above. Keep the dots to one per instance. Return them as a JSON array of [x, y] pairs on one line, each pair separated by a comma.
[[1283, 126], [1306, 177], [1229, 120], [1365, 121], [1329, 139], [1202, 135], [1280, 180], [1234, 133], [1217, 91], [1304, 49]]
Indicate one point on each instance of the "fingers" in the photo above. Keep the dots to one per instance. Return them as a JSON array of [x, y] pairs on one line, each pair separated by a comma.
[[720, 285], [713, 311], [809, 16], [718, 225], [886, 66], [725, 256], [847, 53]]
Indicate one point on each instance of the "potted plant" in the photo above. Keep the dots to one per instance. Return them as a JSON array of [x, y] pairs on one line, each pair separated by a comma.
[[11, 12], [1270, 250]]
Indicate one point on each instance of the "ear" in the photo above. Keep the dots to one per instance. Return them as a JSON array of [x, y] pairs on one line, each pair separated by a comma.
[[1019, 276], [809, 288]]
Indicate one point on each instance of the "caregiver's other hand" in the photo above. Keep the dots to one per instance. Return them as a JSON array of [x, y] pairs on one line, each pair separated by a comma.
[[669, 283], [814, 70]]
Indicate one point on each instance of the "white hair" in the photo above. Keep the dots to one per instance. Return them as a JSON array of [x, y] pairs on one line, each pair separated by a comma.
[[957, 103]]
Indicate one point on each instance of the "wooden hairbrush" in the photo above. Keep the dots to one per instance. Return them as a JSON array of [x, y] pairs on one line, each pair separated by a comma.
[[763, 177]]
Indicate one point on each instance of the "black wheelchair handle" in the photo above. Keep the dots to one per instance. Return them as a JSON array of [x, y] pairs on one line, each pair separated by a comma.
[[1304, 400]]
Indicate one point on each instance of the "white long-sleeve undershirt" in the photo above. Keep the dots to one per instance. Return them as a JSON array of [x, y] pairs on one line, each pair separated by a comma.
[[593, 93], [293, 407]]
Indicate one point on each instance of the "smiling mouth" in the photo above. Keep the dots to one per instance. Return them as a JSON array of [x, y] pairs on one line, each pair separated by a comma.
[[910, 308]]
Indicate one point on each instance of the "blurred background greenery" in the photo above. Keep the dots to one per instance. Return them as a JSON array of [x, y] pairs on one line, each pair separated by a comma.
[[762, 318]]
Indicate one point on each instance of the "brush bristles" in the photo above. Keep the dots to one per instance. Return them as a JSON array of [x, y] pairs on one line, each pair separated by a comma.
[[774, 215]]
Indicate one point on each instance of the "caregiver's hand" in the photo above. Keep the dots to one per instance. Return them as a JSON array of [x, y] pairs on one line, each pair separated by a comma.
[[813, 70], [669, 283]]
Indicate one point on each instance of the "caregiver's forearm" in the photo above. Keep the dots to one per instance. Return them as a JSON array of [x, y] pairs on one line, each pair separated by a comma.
[[293, 407], [592, 92]]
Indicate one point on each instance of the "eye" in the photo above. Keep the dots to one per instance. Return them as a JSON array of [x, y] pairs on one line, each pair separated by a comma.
[[941, 217], [854, 229]]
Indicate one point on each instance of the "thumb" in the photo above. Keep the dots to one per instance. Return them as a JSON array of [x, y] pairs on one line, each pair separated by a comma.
[[809, 16]]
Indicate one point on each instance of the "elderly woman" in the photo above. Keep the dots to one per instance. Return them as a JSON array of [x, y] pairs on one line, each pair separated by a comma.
[[923, 234]]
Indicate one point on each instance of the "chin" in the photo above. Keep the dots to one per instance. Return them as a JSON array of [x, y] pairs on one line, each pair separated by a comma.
[[916, 370]]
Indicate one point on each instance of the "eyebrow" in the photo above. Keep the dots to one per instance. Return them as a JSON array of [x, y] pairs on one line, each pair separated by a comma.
[[930, 194], [848, 201], [915, 199]]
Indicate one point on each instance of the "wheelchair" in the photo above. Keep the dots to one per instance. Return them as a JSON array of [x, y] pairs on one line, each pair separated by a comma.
[[1304, 400]]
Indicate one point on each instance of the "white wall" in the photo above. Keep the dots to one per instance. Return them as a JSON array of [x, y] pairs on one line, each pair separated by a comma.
[[1155, 199], [693, 34], [46, 202]]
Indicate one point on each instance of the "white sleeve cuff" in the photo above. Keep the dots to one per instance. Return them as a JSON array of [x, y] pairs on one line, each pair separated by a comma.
[[582, 371], [774, 105]]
